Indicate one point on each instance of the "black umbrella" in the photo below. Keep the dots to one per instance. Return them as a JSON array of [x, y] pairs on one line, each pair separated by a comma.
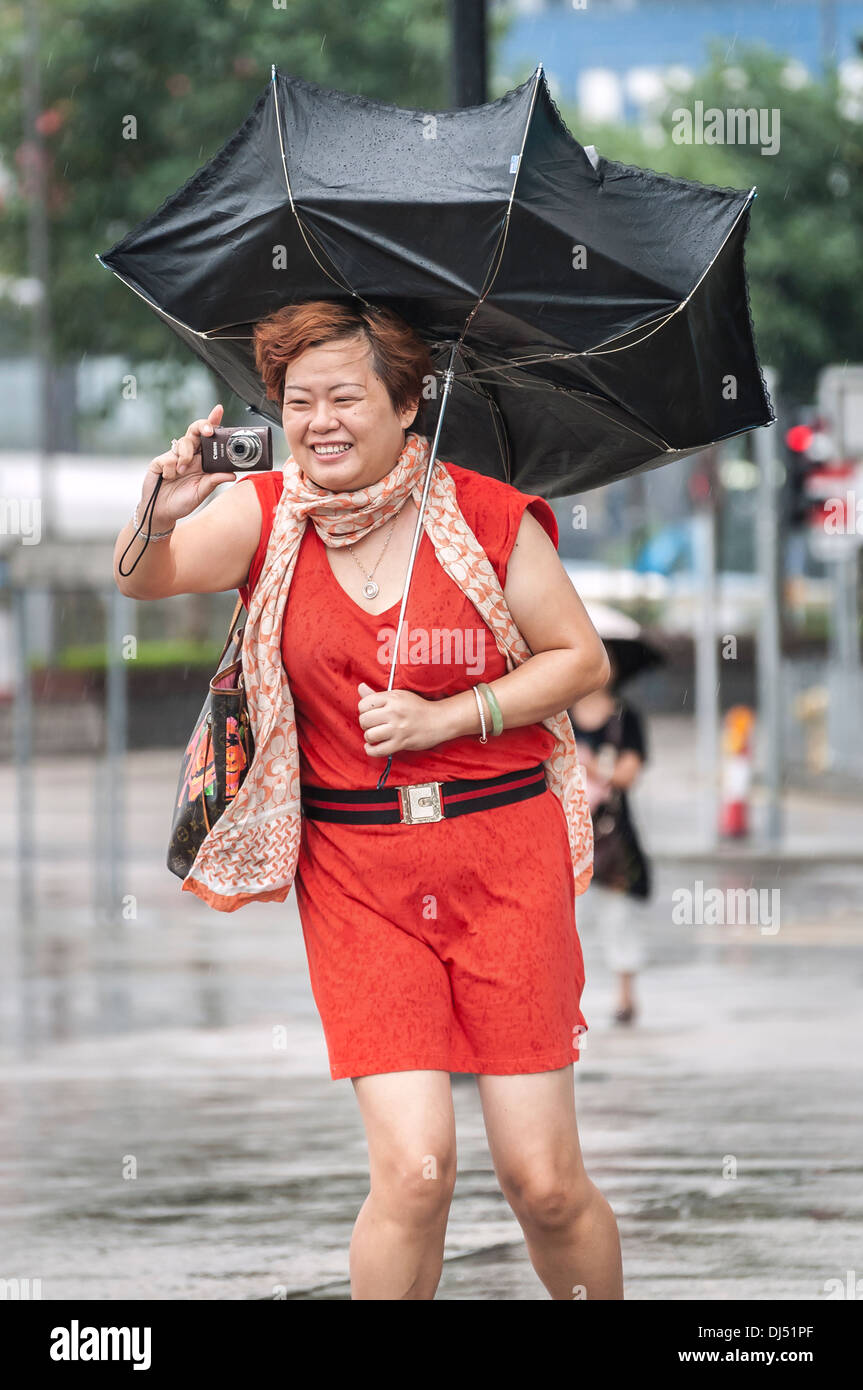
[[588, 319], [594, 315]]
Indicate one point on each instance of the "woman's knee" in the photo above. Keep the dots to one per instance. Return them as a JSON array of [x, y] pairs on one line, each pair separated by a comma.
[[414, 1183], [548, 1197]]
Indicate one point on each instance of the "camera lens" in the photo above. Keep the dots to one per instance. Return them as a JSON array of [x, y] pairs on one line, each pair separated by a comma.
[[243, 448]]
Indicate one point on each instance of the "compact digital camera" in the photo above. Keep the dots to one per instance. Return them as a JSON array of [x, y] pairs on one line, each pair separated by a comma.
[[242, 450]]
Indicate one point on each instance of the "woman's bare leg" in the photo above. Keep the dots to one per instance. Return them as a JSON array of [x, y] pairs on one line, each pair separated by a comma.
[[398, 1240], [625, 990], [570, 1229]]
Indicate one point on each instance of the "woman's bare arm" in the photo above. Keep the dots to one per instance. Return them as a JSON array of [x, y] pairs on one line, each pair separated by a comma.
[[626, 769], [206, 553], [209, 549], [569, 659]]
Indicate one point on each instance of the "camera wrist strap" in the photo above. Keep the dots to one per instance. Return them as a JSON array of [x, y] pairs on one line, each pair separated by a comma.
[[146, 519]]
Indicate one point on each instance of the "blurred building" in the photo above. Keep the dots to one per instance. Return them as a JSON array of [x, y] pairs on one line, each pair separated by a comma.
[[611, 57]]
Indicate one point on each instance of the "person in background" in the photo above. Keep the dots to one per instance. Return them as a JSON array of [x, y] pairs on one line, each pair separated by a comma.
[[612, 746]]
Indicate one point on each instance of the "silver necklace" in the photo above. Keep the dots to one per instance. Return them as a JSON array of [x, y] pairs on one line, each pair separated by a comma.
[[370, 588]]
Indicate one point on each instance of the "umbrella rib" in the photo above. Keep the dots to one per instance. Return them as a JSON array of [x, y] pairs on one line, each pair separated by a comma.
[[472, 381], [497, 255], [344, 285], [749, 197], [597, 351], [683, 303], [502, 436], [571, 392], [540, 358], [163, 313], [498, 422], [587, 401], [601, 349]]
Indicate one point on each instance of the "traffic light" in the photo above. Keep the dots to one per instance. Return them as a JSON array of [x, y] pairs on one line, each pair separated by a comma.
[[809, 446]]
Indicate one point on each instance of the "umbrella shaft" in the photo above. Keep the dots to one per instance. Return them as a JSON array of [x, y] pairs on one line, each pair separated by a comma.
[[447, 384]]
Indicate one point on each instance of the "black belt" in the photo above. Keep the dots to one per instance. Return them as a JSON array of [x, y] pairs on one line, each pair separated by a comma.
[[420, 802]]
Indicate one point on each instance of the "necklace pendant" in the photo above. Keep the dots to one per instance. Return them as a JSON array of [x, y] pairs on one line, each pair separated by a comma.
[[370, 589]]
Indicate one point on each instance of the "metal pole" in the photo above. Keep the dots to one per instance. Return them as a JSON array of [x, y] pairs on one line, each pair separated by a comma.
[[844, 668], [707, 669], [844, 715], [111, 807], [109, 847], [22, 742], [447, 387], [769, 634], [846, 571], [38, 259], [469, 49], [847, 621]]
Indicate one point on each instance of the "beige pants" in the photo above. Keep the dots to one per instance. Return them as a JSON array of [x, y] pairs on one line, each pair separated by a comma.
[[620, 922]]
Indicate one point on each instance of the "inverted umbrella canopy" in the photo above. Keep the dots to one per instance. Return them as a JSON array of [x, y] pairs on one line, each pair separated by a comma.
[[593, 316]]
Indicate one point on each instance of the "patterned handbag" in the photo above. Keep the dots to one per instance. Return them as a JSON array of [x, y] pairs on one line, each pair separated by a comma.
[[217, 757]]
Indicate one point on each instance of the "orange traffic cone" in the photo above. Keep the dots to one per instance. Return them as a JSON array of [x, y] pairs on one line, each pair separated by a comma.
[[736, 772]]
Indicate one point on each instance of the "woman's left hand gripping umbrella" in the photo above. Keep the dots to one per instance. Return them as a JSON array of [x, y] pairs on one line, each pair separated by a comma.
[[394, 721]]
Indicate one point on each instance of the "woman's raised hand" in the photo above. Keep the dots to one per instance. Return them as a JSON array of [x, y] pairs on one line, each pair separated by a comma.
[[184, 483]]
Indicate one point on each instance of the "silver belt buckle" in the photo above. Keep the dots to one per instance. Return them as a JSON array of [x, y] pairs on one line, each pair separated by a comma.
[[420, 802]]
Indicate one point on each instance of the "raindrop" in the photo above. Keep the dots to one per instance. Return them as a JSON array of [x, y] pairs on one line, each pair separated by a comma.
[[838, 181]]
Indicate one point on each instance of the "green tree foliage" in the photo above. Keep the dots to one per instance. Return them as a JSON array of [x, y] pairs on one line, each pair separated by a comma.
[[189, 72], [804, 252]]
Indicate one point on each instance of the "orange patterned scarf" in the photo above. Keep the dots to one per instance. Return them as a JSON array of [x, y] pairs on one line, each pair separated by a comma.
[[251, 852]]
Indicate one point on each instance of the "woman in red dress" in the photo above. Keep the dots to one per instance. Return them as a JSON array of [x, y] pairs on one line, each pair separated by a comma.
[[440, 934]]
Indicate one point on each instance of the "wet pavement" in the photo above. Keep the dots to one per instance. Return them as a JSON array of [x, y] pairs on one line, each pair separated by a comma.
[[169, 1130]]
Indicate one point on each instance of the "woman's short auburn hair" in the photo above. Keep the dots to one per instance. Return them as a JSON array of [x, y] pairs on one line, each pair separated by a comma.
[[399, 356]]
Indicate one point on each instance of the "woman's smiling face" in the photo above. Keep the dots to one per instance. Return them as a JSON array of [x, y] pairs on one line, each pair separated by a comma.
[[338, 418]]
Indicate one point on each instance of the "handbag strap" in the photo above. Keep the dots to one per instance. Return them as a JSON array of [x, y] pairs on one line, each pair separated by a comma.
[[232, 625], [615, 726]]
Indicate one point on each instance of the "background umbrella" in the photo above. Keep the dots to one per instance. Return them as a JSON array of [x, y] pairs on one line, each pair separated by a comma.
[[631, 648], [594, 315]]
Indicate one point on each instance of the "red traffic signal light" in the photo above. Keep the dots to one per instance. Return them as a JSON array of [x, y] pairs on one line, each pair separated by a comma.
[[799, 438]]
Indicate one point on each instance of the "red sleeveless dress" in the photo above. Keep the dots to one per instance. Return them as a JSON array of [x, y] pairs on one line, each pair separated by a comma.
[[447, 946]]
